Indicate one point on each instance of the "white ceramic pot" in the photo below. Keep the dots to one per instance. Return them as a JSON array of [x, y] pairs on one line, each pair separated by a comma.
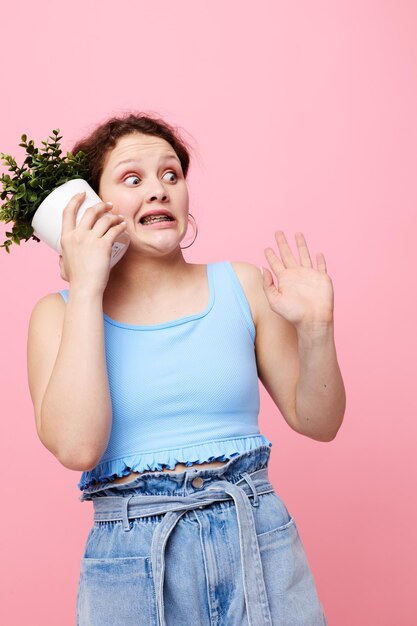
[[47, 221]]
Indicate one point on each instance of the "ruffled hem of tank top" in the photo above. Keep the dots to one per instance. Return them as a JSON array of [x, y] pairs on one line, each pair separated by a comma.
[[220, 450]]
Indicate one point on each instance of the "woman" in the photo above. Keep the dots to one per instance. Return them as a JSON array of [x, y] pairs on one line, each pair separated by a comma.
[[145, 378]]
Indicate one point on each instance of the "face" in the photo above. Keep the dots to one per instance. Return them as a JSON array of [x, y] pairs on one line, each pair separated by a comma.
[[142, 174]]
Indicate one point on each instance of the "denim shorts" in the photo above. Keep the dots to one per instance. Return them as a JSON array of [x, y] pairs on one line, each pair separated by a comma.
[[203, 547]]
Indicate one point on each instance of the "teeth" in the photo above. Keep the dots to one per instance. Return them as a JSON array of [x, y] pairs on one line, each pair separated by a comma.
[[155, 218]]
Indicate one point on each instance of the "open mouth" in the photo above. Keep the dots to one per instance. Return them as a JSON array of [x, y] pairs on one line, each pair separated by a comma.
[[154, 219]]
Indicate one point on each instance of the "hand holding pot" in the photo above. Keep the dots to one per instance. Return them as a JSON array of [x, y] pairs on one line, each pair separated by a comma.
[[87, 246]]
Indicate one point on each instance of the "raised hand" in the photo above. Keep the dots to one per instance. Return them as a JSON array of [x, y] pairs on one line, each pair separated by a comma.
[[303, 295]]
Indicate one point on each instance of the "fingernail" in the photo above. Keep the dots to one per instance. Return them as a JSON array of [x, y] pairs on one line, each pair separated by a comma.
[[109, 204]]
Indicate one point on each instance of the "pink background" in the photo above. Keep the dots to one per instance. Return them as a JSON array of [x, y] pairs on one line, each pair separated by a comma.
[[302, 116]]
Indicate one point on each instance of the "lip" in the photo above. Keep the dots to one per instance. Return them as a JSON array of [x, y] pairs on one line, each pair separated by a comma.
[[157, 212]]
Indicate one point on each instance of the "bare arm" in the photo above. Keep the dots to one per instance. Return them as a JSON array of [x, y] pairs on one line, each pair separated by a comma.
[[74, 414], [295, 348], [66, 353], [320, 394], [304, 297]]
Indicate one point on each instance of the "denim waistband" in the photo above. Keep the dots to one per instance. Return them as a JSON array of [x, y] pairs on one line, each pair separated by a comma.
[[178, 483], [240, 480]]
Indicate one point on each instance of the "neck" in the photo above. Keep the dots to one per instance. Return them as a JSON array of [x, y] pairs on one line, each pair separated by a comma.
[[145, 274]]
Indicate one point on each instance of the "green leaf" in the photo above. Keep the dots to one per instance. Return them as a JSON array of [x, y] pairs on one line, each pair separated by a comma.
[[21, 191], [6, 245], [42, 170]]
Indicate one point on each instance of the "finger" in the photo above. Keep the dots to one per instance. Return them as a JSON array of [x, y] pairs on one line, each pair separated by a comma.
[[285, 250], [93, 213], [274, 261], [321, 262], [268, 283], [115, 231], [106, 221], [304, 254], [70, 211]]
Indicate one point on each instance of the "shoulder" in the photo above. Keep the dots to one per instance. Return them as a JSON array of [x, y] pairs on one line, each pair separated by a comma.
[[250, 278], [50, 301], [47, 309], [248, 271], [46, 323], [266, 321]]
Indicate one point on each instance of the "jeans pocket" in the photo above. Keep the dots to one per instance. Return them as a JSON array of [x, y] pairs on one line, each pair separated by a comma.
[[291, 591], [116, 591]]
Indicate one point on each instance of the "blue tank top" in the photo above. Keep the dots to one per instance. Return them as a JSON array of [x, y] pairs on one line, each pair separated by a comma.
[[185, 391]]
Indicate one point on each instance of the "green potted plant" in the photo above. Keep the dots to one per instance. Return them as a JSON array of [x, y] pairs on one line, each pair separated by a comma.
[[37, 192]]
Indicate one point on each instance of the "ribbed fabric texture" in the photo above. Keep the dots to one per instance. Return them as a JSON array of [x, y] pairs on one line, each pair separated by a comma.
[[185, 391]]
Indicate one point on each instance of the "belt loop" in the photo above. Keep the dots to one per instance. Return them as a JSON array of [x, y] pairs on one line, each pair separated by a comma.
[[189, 475], [125, 517], [249, 480]]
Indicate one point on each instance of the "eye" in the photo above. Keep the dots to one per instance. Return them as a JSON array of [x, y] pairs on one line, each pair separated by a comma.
[[134, 177], [172, 173]]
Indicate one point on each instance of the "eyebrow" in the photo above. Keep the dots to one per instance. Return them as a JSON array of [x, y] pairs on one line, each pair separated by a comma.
[[163, 158]]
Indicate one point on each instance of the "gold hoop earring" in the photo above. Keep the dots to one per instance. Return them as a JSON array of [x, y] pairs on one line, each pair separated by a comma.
[[195, 231]]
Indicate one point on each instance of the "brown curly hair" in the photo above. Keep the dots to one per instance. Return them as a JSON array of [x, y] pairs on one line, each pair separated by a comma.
[[105, 136]]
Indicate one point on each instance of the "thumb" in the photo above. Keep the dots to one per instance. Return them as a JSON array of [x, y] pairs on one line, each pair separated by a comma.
[[267, 277], [268, 283]]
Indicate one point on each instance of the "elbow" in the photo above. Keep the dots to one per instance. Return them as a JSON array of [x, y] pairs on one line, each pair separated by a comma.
[[323, 433], [75, 456], [78, 460], [325, 438], [339, 420], [329, 435], [318, 435]]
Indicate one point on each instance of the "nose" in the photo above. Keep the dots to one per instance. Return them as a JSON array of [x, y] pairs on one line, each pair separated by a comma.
[[157, 192]]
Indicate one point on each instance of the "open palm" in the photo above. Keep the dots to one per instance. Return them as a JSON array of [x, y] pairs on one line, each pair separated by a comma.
[[303, 295]]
